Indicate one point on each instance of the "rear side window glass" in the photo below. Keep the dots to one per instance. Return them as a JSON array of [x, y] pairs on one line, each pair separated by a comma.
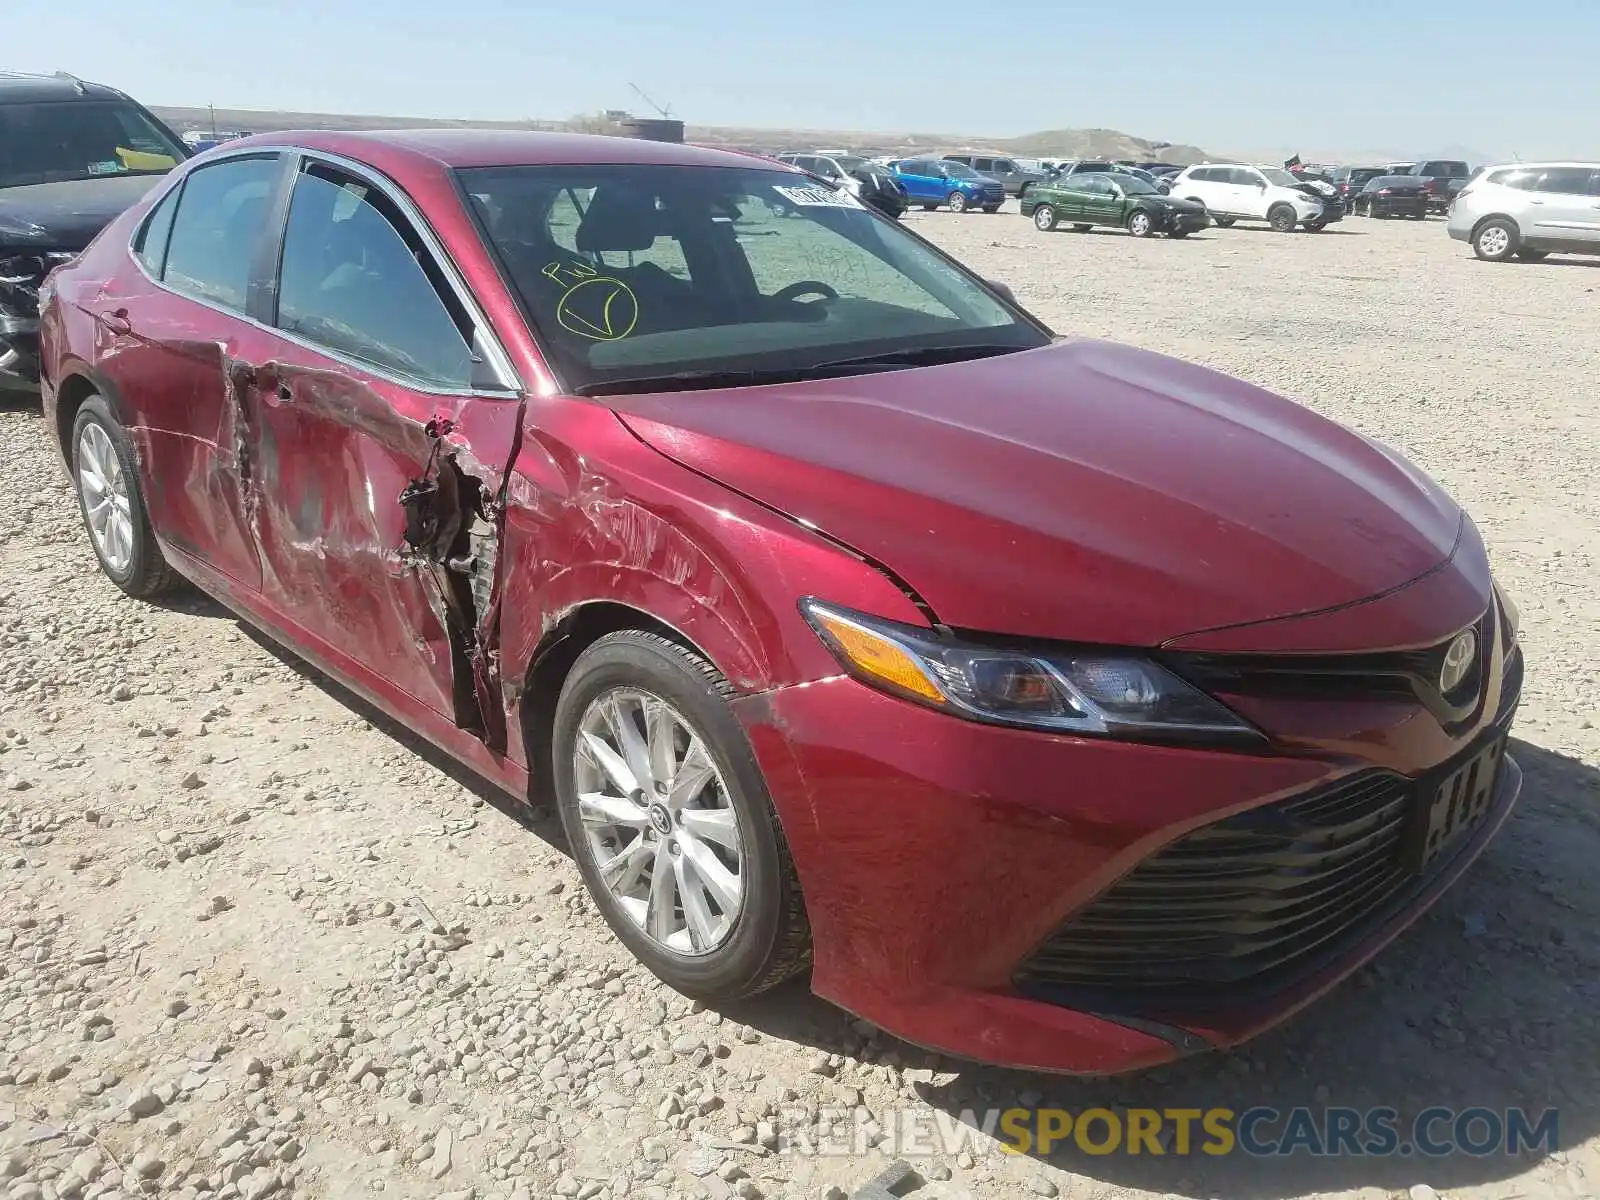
[[356, 279], [221, 216], [151, 244], [1243, 176]]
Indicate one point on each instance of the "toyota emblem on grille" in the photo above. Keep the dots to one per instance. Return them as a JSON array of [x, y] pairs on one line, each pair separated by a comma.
[[1458, 661]]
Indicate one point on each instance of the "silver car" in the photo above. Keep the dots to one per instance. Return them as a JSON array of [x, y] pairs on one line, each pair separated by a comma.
[[1529, 210]]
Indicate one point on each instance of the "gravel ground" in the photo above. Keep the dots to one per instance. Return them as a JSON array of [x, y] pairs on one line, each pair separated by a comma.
[[255, 941]]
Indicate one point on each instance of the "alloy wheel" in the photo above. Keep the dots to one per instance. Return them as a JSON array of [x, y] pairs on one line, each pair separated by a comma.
[[1494, 241], [660, 825], [104, 490]]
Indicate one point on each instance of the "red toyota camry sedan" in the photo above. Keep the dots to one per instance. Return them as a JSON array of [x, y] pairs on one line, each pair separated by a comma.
[[1058, 704]]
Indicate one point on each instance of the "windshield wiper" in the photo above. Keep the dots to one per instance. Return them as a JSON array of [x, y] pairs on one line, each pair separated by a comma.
[[688, 381], [685, 381], [928, 356]]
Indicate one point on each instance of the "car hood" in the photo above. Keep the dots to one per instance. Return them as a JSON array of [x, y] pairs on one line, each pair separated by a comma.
[[1082, 491], [1174, 203], [66, 216]]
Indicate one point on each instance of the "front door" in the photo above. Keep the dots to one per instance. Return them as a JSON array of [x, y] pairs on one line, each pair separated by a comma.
[[1565, 206], [378, 446], [1247, 193], [177, 388]]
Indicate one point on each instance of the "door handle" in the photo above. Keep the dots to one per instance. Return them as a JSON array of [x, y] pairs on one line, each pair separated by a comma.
[[116, 321], [1535, 201]]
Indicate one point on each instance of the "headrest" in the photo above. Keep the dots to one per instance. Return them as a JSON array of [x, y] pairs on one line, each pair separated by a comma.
[[618, 218]]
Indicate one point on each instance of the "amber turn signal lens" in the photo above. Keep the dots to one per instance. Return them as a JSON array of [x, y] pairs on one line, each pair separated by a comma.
[[873, 654]]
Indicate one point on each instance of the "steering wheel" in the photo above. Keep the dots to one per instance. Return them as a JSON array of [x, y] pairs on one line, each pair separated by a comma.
[[806, 287]]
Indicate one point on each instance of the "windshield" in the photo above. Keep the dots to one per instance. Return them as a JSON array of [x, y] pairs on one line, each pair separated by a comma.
[[1132, 185], [849, 164], [62, 140], [1279, 176], [632, 271], [960, 170]]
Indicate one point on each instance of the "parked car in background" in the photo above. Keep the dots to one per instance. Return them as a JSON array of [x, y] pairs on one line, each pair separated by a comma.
[[72, 156], [1530, 210], [792, 563], [1391, 196], [1013, 176], [1121, 201], [1348, 181], [872, 184], [933, 183], [1398, 168], [1442, 179], [1237, 192]]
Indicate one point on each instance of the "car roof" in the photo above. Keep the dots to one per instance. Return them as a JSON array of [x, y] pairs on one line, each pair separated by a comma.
[[454, 148], [17, 87], [1539, 166]]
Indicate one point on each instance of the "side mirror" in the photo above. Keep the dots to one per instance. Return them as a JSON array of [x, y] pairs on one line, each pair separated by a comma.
[[1262, 186], [1001, 290]]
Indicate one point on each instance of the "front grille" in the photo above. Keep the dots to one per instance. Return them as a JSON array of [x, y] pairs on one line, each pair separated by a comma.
[[1242, 907]]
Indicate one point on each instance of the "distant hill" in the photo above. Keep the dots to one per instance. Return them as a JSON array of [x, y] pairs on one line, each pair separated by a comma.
[[1057, 143]]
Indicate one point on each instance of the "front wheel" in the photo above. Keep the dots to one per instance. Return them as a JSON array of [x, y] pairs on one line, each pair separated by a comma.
[[991, 208], [106, 472], [929, 207], [1282, 219], [1139, 224], [1496, 240], [1081, 228], [957, 202], [1044, 218], [1533, 255], [1224, 222], [670, 822]]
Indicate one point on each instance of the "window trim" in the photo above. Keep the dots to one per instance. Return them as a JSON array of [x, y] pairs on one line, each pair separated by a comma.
[[508, 382], [136, 244]]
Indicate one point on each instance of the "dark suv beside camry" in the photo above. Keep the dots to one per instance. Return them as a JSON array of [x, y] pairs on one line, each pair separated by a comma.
[[72, 156]]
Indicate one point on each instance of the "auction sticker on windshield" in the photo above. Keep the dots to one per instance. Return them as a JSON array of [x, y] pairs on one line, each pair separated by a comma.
[[817, 197]]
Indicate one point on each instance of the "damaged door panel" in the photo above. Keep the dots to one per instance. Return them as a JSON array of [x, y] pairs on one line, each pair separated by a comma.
[[379, 528]]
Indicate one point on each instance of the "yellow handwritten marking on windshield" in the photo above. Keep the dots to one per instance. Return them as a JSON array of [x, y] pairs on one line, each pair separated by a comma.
[[601, 308], [140, 160], [595, 306]]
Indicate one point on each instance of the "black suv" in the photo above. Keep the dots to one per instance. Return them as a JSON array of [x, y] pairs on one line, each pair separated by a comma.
[[72, 156]]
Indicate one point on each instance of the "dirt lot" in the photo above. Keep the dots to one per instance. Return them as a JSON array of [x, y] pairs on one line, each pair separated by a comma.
[[253, 944]]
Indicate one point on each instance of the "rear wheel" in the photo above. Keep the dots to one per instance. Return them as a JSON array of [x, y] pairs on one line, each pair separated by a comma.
[[1496, 240], [929, 207], [1282, 219], [1044, 218], [670, 822], [1224, 222], [1178, 231], [957, 202], [106, 472], [1532, 255], [1139, 224]]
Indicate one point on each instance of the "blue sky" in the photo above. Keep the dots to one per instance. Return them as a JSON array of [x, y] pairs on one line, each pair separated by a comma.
[[1410, 77]]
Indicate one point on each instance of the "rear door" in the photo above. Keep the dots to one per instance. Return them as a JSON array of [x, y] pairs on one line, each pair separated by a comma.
[[384, 418], [177, 335]]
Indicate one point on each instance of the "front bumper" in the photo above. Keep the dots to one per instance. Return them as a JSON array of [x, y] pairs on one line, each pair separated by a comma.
[[19, 352], [941, 860]]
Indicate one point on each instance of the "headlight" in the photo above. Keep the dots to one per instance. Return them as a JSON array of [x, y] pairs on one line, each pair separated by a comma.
[[1062, 690]]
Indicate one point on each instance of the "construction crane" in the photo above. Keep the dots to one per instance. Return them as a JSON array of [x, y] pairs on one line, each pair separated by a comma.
[[666, 113]]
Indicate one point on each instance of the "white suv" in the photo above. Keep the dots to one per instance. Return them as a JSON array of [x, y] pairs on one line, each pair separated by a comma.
[[1239, 193], [1528, 210]]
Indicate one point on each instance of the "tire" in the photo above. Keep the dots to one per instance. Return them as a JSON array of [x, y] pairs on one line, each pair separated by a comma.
[[991, 208], [1282, 219], [1139, 223], [1081, 228], [1044, 218], [1496, 239], [1527, 255], [929, 207], [1178, 233], [957, 202], [1224, 222], [768, 937], [1316, 226], [126, 545]]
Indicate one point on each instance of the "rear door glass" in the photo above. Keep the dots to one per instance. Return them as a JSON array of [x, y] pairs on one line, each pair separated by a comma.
[[217, 230]]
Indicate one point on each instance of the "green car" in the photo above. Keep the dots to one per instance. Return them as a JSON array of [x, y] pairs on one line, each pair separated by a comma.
[[1102, 198]]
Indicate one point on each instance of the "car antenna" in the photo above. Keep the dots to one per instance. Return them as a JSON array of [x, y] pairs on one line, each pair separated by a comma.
[[78, 85]]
